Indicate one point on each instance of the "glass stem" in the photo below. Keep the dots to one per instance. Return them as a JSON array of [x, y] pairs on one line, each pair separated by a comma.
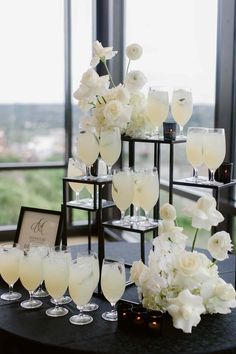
[[56, 305], [122, 219], [77, 197], [10, 289], [88, 171], [109, 170], [195, 174], [136, 213], [212, 176], [31, 293]]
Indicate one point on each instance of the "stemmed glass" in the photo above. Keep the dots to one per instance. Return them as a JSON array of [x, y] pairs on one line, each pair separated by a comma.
[[75, 169], [137, 175], [112, 284], [88, 149], [10, 254], [31, 275], [81, 286], [214, 149], [122, 191], [56, 276], [149, 193], [44, 250], [182, 107], [194, 150], [110, 146], [157, 106]]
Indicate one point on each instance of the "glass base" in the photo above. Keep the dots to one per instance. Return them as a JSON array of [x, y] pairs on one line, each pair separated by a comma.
[[81, 319], [90, 307], [41, 293], [62, 301], [110, 316], [11, 296], [57, 311], [31, 304]]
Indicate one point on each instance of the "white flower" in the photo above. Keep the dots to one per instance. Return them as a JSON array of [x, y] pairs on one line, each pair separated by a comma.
[[135, 80], [134, 51], [113, 109], [188, 263], [119, 93], [167, 230], [168, 212], [219, 245], [218, 296], [138, 102], [86, 123], [101, 53], [204, 214], [136, 270], [186, 310]]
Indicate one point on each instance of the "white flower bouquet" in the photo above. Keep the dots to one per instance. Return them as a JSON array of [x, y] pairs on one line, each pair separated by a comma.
[[184, 283], [108, 105]]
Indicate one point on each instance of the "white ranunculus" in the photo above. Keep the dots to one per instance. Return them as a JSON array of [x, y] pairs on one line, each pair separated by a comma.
[[119, 93], [204, 214], [136, 270], [186, 310], [101, 53], [134, 51], [168, 212], [219, 245], [135, 80], [90, 78], [113, 109]]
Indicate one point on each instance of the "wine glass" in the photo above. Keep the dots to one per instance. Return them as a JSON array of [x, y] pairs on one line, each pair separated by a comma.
[[56, 277], [214, 149], [122, 191], [31, 274], [81, 286], [43, 250], [88, 149], [182, 107], [110, 146], [148, 193], [92, 257], [157, 106], [10, 258], [75, 169], [112, 284], [137, 175], [194, 150]]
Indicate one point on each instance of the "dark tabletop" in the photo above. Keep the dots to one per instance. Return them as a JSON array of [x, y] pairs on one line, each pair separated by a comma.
[[25, 331]]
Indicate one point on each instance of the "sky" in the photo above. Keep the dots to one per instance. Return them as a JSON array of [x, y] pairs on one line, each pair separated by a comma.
[[178, 40]]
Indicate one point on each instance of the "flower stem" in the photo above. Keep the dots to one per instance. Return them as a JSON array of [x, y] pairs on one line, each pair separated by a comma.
[[127, 69], [194, 240], [105, 64]]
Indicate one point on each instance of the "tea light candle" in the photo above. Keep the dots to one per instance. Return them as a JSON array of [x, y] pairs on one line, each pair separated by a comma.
[[124, 314], [139, 315], [154, 321], [169, 131], [224, 172]]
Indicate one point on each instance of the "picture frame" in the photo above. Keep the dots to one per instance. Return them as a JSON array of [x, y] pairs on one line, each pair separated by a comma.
[[39, 226]]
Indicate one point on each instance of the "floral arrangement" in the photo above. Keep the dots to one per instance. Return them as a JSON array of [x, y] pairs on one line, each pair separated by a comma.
[[184, 283], [108, 105]]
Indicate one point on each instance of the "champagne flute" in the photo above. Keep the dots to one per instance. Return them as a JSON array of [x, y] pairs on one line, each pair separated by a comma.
[[214, 149], [194, 150], [10, 258], [112, 284], [122, 191], [88, 149], [182, 107], [110, 146], [157, 106], [56, 276], [149, 193], [31, 275], [81, 286], [75, 169]]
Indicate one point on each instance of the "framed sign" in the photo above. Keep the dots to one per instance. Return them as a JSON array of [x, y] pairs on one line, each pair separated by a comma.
[[38, 225]]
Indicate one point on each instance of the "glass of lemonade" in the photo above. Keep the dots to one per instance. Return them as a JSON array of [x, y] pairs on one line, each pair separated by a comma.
[[110, 146], [56, 277], [214, 149], [81, 287], [157, 106], [148, 193], [122, 191], [31, 274], [44, 250], [194, 150], [10, 254], [182, 107], [113, 285], [75, 169], [88, 149]]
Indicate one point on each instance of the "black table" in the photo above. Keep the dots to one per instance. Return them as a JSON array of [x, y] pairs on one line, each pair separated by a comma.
[[27, 331]]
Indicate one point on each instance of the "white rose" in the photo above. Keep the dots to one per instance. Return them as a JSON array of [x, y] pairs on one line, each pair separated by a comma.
[[134, 51], [135, 80], [188, 263], [90, 78], [168, 212], [219, 245], [101, 53], [119, 93], [185, 310], [204, 214], [136, 270], [113, 109]]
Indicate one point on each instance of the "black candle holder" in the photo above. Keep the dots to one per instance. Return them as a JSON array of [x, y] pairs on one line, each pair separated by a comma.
[[224, 173], [169, 131]]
